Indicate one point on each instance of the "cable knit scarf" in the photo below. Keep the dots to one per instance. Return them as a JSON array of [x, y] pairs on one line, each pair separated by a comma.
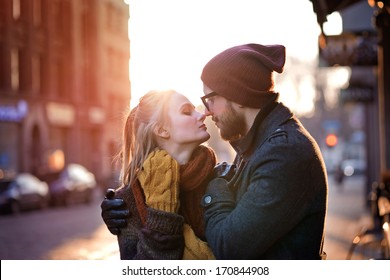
[[194, 177]]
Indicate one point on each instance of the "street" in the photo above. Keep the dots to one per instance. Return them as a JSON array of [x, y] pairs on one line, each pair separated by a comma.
[[78, 232], [72, 233]]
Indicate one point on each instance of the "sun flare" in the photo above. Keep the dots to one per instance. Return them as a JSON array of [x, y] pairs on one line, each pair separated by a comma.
[[172, 40]]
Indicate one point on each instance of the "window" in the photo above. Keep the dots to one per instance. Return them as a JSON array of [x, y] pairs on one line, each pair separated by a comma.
[[16, 9], [15, 78], [4, 66], [37, 12], [44, 75], [36, 73]]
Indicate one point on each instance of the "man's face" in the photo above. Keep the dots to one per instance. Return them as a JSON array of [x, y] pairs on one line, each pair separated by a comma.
[[226, 116]]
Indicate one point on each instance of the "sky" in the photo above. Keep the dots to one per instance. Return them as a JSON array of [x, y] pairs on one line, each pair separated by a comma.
[[171, 40]]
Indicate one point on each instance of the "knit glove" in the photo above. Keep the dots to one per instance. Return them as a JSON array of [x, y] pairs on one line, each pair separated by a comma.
[[194, 248], [159, 179]]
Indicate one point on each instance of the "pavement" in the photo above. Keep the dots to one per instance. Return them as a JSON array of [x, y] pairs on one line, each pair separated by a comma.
[[347, 216]]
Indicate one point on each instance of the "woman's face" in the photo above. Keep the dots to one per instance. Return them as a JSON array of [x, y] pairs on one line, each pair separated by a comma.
[[186, 125]]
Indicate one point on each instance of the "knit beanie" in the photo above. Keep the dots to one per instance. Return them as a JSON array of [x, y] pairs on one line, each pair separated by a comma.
[[243, 74]]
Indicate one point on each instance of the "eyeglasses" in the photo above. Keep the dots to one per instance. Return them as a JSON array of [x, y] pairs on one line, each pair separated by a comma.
[[205, 99]]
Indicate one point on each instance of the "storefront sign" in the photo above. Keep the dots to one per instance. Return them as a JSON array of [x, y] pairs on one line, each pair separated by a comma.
[[357, 94], [14, 113], [349, 49], [60, 114], [96, 115]]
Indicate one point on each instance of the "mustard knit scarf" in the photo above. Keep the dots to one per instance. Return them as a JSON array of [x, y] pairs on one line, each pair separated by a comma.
[[194, 177]]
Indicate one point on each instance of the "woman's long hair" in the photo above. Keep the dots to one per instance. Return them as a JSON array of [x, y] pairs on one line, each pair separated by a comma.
[[139, 137]]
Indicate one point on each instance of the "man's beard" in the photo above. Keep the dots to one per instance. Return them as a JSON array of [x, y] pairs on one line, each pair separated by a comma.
[[232, 125]]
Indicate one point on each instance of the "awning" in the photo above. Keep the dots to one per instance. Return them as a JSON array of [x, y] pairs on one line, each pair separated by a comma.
[[323, 8]]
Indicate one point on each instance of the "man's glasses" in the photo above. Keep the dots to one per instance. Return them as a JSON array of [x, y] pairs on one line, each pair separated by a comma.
[[205, 99]]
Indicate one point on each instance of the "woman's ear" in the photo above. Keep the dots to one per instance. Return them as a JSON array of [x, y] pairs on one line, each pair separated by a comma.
[[161, 132]]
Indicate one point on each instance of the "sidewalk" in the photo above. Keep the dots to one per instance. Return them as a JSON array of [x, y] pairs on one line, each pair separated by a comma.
[[346, 216]]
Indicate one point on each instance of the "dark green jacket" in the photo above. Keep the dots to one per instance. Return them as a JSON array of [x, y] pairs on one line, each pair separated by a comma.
[[275, 205]]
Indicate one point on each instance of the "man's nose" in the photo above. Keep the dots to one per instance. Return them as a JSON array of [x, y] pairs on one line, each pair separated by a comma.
[[207, 112]]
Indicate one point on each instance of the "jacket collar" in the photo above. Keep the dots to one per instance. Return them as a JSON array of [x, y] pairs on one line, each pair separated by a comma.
[[267, 120]]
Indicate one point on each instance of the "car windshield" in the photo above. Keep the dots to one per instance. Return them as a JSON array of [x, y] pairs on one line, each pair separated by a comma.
[[26, 179], [76, 172]]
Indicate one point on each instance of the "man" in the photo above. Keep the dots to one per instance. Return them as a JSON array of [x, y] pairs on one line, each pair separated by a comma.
[[273, 204]]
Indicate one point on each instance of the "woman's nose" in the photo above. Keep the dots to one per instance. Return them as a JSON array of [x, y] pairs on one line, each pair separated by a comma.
[[201, 116]]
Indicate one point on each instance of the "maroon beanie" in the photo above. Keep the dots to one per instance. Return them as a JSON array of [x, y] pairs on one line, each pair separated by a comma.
[[243, 74]]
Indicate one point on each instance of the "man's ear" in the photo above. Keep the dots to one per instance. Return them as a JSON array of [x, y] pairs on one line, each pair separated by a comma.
[[161, 132]]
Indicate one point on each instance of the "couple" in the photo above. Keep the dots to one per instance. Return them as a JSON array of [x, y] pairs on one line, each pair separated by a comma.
[[174, 204]]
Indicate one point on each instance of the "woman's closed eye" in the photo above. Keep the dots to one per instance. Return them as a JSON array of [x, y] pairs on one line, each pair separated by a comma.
[[187, 110]]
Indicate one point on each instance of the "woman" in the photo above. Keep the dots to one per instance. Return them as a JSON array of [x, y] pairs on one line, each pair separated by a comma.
[[165, 171]]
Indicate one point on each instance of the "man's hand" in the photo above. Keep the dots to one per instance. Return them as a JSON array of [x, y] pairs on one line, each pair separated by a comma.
[[114, 212]]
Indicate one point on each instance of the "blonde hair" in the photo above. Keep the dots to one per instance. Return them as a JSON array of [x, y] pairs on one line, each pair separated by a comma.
[[139, 137]]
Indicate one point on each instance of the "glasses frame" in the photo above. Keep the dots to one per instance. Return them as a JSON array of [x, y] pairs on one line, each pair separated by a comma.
[[205, 97]]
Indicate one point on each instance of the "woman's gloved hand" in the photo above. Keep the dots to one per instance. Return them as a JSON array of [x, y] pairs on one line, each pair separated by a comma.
[[159, 179], [114, 212]]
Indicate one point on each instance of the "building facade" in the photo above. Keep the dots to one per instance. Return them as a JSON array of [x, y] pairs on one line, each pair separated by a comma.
[[64, 84]]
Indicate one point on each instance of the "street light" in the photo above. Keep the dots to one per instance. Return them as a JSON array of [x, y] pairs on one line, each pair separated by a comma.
[[331, 140]]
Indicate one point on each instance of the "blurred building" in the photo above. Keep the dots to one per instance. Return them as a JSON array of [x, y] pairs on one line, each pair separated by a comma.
[[64, 83], [363, 46]]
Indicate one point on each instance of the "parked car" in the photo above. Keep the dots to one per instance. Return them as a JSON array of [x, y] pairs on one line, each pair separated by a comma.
[[74, 184], [23, 192]]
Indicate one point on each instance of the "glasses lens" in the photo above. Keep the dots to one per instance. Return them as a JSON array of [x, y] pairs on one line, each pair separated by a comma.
[[205, 99]]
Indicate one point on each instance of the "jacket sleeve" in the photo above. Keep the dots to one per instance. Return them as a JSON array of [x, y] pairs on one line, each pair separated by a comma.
[[161, 237]]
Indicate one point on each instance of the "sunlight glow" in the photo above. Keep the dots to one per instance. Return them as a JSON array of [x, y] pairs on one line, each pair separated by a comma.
[[336, 78], [172, 40], [334, 24]]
